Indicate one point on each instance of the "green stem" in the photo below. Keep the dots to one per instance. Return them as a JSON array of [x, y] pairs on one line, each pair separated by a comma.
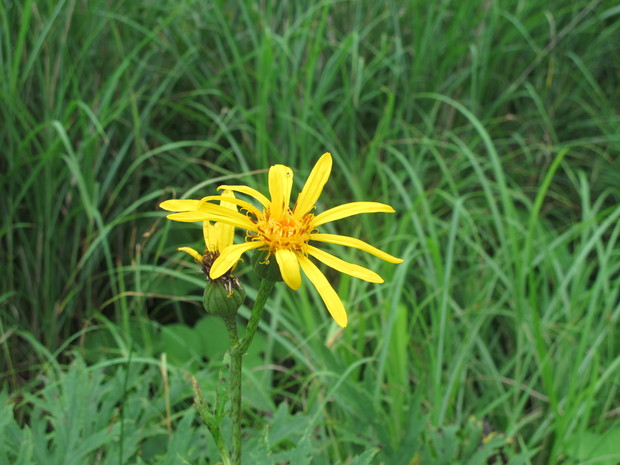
[[231, 326], [235, 387], [259, 305], [235, 403], [237, 350]]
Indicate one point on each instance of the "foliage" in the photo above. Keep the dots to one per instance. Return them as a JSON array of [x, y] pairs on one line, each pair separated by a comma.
[[491, 127], [132, 411]]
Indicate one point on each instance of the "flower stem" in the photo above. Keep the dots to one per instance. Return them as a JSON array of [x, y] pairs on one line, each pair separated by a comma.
[[259, 305], [238, 349], [235, 403]]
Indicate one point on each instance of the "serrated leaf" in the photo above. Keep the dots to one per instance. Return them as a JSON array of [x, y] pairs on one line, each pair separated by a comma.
[[302, 454], [258, 451], [365, 458]]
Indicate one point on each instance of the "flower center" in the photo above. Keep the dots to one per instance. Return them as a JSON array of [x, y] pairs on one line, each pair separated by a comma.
[[229, 282], [285, 232], [207, 261]]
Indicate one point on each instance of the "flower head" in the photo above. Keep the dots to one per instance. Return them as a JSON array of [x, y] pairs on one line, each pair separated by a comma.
[[288, 233]]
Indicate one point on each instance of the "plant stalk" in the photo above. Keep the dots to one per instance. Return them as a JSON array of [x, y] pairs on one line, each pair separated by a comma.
[[238, 348]]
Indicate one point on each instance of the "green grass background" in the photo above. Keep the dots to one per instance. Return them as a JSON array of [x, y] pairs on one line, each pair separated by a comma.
[[493, 129]]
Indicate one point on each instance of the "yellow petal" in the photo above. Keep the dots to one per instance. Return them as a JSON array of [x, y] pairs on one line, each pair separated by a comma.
[[280, 185], [192, 252], [344, 267], [264, 201], [289, 267], [220, 214], [189, 217], [225, 233], [230, 256], [350, 209], [326, 291], [227, 202], [176, 205], [314, 185], [209, 232], [355, 243]]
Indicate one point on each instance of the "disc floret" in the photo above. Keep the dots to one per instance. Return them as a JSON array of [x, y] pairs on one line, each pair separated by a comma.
[[283, 232]]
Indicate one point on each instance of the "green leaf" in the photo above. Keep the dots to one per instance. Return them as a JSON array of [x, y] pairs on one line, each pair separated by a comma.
[[365, 458], [181, 343], [595, 447], [302, 453]]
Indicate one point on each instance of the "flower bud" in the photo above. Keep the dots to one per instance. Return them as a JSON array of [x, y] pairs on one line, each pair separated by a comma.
[[266, 266], [223, 297]]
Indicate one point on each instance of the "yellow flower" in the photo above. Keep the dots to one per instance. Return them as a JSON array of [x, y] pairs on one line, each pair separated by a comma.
[[286, 233], [217, 236]]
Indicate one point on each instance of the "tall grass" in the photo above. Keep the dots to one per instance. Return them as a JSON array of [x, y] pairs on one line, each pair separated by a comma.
[[491, 128]]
